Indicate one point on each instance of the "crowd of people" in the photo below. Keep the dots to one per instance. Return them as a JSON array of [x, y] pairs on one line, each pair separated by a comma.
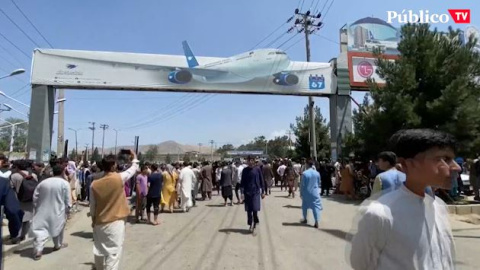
[[38, 199]]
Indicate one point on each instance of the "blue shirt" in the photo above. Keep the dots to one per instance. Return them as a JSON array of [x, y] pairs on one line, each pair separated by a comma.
[[155, 180], [392, 179]]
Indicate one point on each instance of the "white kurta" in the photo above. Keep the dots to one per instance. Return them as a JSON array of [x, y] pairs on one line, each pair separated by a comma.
[[402, 230], [50, 201], [186, 178]]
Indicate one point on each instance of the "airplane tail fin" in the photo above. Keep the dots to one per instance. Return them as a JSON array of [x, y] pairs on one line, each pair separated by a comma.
[[191, 60]]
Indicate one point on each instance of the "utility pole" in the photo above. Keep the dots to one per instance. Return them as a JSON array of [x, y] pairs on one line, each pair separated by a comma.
[[306, 23], [61, 122], [212, 142], [104, 127], [116, 136], [289, 134], [200, 150], [86, 152], [93, 135], [76, 143]]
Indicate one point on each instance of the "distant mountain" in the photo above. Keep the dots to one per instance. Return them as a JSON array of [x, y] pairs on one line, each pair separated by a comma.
[[167, 147]]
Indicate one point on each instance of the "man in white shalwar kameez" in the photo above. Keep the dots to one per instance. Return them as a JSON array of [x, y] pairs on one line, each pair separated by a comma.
[[109, 210], [186, 178], [50, 200], [405, 228]]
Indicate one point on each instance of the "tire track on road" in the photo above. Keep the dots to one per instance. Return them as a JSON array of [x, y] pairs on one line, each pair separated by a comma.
[[270, 240], [164, 257], [224, 241]]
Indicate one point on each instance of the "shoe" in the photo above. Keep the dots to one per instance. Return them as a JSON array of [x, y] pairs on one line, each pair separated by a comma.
[[37, 256], [304, 221], [316, 225], [64, 245]]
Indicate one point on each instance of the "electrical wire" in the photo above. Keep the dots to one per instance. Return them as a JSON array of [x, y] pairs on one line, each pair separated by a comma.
[[19, 28], [11, 55], [328, 39], [275, 40], [295, 43], [274, 31], [287, 40], [14, 45], [31, 23]]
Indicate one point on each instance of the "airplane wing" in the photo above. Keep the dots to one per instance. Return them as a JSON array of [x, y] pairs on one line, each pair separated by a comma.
[[205, 72]]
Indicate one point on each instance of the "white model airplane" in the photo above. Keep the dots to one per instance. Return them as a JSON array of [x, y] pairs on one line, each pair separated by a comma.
[[236, 69]]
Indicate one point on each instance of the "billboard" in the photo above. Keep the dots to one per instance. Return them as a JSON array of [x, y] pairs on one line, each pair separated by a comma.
[[362, 66], [262, 71], [369, 33], [245, 153]]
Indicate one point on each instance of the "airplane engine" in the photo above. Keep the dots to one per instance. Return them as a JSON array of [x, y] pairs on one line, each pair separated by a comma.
[[180, 76], [285, 79]]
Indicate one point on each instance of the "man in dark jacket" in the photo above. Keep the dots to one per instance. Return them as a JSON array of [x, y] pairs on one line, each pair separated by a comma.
[[12, 211], [252, 184], [226, 183]]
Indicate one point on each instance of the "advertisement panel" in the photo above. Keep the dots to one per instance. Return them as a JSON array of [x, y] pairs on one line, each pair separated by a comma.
[[368, 33], [262, 71], [362, 66]]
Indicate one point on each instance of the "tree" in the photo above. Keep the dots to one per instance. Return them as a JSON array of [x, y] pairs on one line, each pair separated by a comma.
[[186, 158], [168, 159], [20, 135], [279, 147], [433, 84], [96, 156], [257, 144], [140, 157], [73, 155], [302, 132], [152, 153], [224, 149]]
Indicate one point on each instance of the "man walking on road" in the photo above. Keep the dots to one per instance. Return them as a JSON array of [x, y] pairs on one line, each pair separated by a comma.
[[141, 191], [252, 184], [51, 202], [186, 179], [109, 210], [155, 181], [226, 183], [310, 193], [207, 181]]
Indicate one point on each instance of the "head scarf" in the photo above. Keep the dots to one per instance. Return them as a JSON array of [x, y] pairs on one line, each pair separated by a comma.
[[170, 169]]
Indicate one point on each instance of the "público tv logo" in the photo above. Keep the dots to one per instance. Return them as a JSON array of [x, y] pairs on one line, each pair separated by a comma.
[[424, 16], [316, 82]]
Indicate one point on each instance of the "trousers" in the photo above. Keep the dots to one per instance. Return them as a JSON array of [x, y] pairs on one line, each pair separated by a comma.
[[252, 215], [39, 242], [155, 202], [237, 188], [108, 245]]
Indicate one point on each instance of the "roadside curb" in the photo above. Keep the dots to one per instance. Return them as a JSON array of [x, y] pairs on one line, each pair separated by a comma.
[[464, 209], [9, 250]]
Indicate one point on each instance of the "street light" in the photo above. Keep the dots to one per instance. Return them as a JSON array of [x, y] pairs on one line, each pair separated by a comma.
[[116, 136], [61, 100], [76, 142], [17, 101], [12, 136], [13, 73], [13, 109]]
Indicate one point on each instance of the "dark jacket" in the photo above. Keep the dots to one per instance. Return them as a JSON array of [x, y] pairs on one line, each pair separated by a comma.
[[12, 210], [226, 177]]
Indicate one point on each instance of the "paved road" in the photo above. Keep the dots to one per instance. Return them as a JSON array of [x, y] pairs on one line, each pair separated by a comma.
[[214, 237]]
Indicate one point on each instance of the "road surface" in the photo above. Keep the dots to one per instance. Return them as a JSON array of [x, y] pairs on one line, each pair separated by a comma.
[[214, 237]]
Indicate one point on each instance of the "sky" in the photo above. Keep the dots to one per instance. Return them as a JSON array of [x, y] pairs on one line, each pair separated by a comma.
[[213, 28]]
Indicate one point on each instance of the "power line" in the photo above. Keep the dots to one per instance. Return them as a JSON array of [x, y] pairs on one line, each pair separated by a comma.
[[10, 54], [326, 38], [275, 40], [31, 23], [287, 40], [19, 28], [328, 9], [268, 35], [295, 43], [14, 45]]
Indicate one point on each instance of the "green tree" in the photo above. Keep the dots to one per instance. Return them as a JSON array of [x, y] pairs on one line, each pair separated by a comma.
[[186, 158], [257, 144], [433, 84], [96, 156], [301, 130], [279, 147], [225, 148], [140, 157], [152, 153], [20, 134], [168, 159]]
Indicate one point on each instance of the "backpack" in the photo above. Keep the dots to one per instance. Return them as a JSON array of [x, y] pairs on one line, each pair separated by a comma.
[[27, 188]]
